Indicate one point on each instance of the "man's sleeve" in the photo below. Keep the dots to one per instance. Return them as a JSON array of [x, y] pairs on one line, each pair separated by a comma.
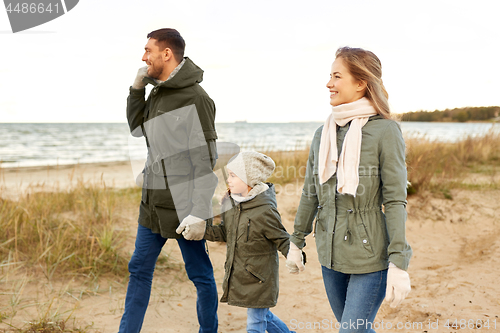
[[135, 110]]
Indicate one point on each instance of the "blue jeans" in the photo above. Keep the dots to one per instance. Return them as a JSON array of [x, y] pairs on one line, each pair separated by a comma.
[[261, 319], [355, 298], [141, 267]]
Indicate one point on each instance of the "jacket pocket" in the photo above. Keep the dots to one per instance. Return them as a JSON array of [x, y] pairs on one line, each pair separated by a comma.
[[250, 270], [365, 238]]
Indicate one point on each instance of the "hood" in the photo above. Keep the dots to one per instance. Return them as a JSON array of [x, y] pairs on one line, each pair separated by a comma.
[[267, 197], [256, 190], [188, 75]]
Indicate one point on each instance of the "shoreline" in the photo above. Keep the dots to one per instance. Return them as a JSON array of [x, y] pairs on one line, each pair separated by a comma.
[[15, 181], [60, 166]]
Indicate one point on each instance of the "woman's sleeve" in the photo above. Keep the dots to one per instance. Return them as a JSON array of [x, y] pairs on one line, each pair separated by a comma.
[[308, 206], [393, 177]]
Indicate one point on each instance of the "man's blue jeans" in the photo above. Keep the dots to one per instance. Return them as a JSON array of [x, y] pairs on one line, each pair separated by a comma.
[[259, 320], [355, 298], [141, 267]]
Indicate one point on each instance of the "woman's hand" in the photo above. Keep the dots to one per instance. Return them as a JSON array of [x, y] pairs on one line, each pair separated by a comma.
[[398, 285], [294, 260]]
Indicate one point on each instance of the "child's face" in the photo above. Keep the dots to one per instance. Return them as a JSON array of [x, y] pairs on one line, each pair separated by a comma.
[[236, 185]]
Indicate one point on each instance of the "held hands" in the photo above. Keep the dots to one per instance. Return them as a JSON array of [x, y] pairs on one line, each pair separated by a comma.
[[141, 73], [294, 260], [192, 228], [398, 285]]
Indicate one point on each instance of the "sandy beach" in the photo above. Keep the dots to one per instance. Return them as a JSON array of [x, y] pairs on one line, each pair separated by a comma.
[[454, 269]]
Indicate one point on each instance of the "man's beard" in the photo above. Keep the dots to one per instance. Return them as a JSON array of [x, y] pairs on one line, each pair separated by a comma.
[[156, 70]]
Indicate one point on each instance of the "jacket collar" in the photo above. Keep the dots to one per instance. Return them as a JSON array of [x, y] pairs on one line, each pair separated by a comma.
[[188, 75], [268, 197]]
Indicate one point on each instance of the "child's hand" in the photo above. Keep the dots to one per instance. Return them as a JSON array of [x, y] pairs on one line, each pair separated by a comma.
[[295, 260]]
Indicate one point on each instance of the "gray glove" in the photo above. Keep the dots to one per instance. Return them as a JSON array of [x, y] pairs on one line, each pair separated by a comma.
[[139, 180], [192, 228], [398, 285], [295, 260], [141, 73]]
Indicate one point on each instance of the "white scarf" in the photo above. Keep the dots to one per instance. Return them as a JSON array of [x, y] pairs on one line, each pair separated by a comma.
[[358, 113]]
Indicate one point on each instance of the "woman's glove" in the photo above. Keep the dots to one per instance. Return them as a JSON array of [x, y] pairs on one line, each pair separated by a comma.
[[294, 260], [141, 73], [398, 285], [192, 228]]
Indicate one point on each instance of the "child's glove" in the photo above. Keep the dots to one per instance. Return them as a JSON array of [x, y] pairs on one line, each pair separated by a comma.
[[141, 73], [295, 260], [398, 285], [192, 228]]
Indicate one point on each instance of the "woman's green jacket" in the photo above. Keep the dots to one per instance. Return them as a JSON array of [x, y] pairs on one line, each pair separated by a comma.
[[359, 234]]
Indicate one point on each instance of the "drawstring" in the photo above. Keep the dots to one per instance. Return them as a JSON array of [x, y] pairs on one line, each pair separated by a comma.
[[348, 233]]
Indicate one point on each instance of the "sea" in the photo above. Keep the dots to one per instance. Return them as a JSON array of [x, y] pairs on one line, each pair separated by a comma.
[[45, 144]]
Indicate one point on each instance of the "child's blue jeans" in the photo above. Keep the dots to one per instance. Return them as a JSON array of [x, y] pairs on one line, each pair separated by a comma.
[[261, 319], [355, 298]]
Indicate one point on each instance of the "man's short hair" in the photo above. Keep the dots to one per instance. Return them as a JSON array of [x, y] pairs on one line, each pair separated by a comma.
[[170, 38]]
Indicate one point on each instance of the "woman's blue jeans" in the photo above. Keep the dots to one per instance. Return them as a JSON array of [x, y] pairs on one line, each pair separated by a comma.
[[355, 298], [141, 267], [260, 320]]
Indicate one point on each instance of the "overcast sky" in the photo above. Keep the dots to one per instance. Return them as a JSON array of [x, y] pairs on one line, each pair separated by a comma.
[[264, 61]]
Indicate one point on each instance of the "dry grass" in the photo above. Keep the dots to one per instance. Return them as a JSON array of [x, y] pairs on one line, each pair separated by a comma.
[[65, 232], [436, 165], [290, 166]]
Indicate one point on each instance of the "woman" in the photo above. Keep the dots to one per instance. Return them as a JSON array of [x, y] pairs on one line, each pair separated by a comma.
[[356, 164]]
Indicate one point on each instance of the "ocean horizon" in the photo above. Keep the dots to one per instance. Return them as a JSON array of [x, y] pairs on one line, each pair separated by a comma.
[[41, 144]]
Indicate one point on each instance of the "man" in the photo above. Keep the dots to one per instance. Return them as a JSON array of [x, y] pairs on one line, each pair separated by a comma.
[[178, 183]]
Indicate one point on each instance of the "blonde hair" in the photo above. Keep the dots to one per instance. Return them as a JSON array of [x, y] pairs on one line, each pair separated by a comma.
[[366, 66]]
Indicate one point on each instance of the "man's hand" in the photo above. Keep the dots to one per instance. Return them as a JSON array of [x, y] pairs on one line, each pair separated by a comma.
[[141, 73], [398, 285], [192, 228], [294, 260], [139, 180]]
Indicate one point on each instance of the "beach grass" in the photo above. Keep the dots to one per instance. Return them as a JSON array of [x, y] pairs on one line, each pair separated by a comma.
[[441, 166], [68, 232]]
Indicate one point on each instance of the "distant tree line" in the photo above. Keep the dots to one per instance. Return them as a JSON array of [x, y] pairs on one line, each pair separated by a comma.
[[455, 115]]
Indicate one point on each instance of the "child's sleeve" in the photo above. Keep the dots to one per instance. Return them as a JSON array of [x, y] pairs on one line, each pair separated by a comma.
[[216, 233], [275, 231]]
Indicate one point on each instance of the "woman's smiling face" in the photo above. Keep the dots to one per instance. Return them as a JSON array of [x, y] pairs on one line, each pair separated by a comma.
[[342, 85]]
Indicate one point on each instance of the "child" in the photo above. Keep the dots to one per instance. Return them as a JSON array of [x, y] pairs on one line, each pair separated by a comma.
[[251, 227]]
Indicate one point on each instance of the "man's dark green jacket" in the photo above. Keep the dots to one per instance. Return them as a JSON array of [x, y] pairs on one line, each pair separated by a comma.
[[177, 120]]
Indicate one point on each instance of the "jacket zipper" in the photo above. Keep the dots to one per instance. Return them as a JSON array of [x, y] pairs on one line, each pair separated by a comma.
[[248, 229]]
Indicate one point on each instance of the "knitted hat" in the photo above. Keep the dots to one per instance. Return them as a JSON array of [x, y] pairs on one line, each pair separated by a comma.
[[251, 167]]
